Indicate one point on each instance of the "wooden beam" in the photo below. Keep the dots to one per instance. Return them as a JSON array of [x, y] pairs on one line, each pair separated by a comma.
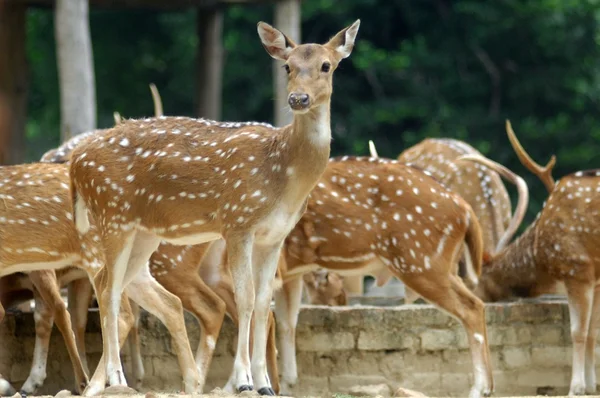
[[159, 5], [13, 83], [287, 19], [75, 68], [210, 62]]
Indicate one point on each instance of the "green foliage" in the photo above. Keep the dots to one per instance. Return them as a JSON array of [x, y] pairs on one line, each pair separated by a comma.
[[435, 68]]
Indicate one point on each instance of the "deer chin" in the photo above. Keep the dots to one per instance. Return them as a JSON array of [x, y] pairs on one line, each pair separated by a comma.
[[301, 111]]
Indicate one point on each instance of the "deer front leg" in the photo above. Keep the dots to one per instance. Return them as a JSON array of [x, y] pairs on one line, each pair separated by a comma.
[[46, 284], [42, 315], [79, 295], [580, 299], [287, 307], [590, 348], [239, 257], [264, 265]]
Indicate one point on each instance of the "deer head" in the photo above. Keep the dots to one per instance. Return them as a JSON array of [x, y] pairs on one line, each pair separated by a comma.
[[309, 66]]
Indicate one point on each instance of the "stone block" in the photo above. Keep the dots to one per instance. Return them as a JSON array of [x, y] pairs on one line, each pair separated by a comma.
[[437, 339], [457, 361], [311, 386], [548, 357], [516, 357], [517, 335], [373, 340], [549, 335], [323, 341], [550, 312], [535, 378]]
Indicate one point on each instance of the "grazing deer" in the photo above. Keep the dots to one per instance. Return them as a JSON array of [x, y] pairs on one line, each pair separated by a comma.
[[38, 233], [188, 181], [380, 217], [325, 288], [557, 252]]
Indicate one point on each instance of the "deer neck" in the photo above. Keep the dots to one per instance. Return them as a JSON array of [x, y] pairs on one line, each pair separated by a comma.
[[512, 272], [309, 139]]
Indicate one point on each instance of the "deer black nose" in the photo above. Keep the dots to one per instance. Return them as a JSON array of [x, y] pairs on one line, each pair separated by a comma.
[[298, 101]]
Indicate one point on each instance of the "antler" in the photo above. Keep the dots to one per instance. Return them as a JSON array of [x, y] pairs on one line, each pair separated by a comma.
[[117, 117], [522, 188], [372, 149], [543, 173]]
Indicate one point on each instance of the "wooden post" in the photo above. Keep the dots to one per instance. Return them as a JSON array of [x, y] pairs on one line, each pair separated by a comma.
[[75, 67], [210, 62], [287, 19], [13, 82]]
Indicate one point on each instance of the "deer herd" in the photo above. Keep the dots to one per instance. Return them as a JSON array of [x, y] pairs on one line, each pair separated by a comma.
[[174, 213]]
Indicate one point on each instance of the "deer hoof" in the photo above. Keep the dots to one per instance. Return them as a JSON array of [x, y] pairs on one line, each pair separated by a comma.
[[244, 387], [266, 391]]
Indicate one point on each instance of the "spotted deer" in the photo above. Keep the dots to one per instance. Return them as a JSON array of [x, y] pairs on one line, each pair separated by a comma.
[[479, 186], [380, 217], [557, 253], [188, 181]]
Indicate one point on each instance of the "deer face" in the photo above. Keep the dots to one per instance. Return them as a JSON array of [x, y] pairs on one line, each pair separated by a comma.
[[309, 67]]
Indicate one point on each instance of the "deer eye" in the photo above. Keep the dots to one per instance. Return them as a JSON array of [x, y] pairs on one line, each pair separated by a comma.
[[287, 68], [325, 67]]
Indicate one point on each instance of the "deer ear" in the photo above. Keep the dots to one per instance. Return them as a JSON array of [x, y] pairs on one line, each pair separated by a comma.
[[343, 42], [275, 42]]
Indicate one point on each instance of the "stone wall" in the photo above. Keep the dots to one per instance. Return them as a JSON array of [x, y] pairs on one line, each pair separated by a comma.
[[415, 346]]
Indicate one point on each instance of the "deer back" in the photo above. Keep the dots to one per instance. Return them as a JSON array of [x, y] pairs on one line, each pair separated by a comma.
[[36, 223], [480, 186], [367, 210]]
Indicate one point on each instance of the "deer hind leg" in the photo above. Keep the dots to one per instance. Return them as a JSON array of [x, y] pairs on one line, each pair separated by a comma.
[[199, 299], [272, 354], [590, 347], [79, 295], [44, 321], [98, 380], [157, 300], [580, 299], [451, 295], [133, 343], [117, 259], [239, 258], [46, 284], [287, 307]]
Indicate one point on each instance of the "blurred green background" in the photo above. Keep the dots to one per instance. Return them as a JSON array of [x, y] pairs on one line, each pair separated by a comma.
[[420, 68]]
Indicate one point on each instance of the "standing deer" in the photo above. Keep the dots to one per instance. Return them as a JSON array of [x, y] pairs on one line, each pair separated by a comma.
[[557, 252], [380, 217], [189, 181]]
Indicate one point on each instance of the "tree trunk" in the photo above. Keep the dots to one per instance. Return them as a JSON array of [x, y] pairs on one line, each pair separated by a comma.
[[75, 67], [13, 83], [210, 62], [287, 20]]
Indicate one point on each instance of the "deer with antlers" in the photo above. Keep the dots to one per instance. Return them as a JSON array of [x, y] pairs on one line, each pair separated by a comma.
[[380, 217], [557, 252], [188, 181]]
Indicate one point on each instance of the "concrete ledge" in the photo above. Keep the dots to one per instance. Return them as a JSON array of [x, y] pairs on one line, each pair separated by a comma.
[[414, 346]]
